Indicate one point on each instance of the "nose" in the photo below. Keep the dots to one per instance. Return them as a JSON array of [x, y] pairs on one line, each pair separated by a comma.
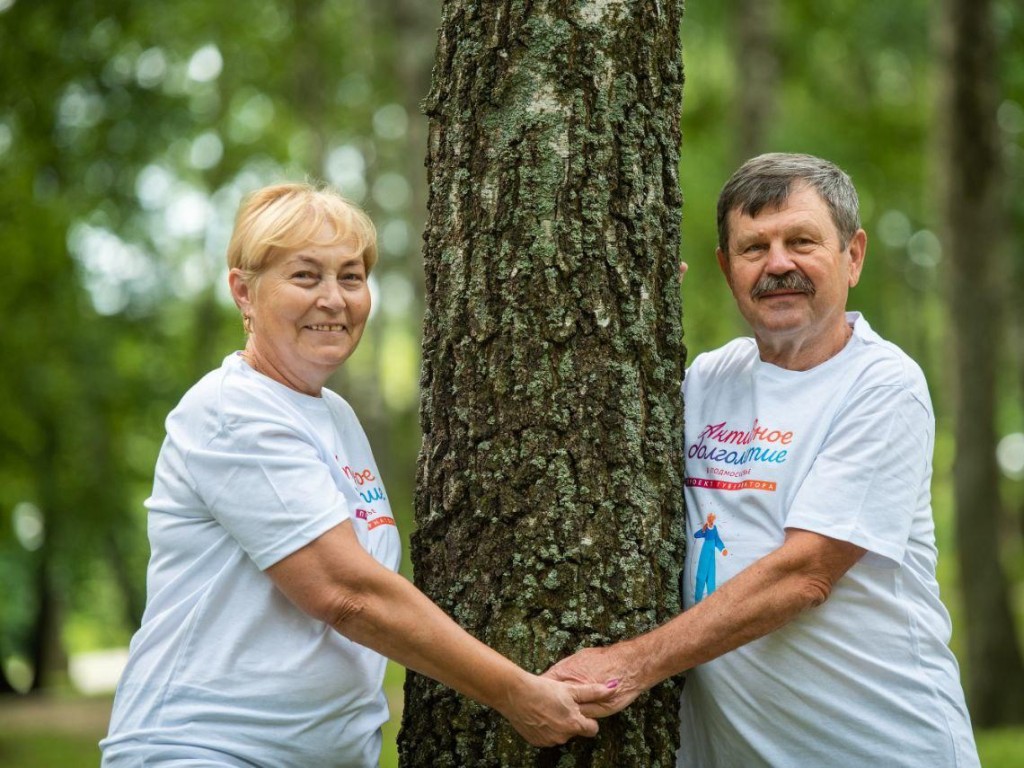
[[779, 260], [331, 297]]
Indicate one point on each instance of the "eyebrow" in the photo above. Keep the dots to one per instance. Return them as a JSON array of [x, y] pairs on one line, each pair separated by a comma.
[[798, 228], [313, 261]]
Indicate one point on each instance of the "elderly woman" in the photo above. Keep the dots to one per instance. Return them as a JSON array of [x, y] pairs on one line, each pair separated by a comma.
[[272, 593]]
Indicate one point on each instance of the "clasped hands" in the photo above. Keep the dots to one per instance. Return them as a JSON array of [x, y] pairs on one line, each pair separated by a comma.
[[564, 701], [609, 667]]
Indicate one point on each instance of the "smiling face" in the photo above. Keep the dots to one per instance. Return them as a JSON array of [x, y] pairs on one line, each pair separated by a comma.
[[790, 276], [308, 309]]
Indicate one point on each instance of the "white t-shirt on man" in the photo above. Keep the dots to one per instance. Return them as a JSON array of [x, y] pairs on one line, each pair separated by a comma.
[[843, 450], [225, 670]]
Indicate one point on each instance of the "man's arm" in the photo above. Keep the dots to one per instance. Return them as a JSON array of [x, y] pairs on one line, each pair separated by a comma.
[[767, 595]]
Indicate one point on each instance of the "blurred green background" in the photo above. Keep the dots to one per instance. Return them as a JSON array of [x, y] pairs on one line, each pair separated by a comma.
[[129, 132]]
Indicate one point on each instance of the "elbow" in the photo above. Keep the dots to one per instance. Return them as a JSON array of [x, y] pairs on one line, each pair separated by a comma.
[[341, 609], [814, 590]]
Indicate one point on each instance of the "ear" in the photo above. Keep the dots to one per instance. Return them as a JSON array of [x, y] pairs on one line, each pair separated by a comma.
[[723, 264], [858, 249], [241, 290]]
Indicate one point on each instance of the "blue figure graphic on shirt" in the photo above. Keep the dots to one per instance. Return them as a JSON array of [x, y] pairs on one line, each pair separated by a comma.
[[706, 563]]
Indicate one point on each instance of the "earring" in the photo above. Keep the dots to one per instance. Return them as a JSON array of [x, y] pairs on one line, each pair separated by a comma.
[[247, 323]]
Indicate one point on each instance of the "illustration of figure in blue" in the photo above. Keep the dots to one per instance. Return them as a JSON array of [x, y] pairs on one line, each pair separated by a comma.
[[706, 563]]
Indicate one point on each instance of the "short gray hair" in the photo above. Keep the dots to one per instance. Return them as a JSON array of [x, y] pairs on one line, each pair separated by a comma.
[[766, 181]]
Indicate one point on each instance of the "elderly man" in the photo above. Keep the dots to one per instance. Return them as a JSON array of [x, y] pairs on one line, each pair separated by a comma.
[[825, 643]]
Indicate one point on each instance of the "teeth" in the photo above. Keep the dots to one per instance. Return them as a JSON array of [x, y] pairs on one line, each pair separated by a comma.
[[327, 327]]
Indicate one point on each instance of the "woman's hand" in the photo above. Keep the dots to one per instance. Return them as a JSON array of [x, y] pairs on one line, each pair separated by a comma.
[[547, 712], [611, 666]]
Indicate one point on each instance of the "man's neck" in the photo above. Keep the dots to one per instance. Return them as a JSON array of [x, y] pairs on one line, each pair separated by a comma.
[[803, 354]]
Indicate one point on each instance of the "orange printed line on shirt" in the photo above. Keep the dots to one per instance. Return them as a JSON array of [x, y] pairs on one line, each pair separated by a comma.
[[723, 485], [379, 521]]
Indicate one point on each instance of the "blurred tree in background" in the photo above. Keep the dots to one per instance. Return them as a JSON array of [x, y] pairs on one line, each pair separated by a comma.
[[129, 131], [974, 229], [128, 134]]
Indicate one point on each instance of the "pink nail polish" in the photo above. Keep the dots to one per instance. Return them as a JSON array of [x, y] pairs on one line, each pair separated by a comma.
[[612, 684]]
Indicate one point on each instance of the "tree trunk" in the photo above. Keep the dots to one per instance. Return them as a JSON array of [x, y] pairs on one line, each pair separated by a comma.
[[48, 660], [755, 46], [973, 211], [5, 682], [549, 500]]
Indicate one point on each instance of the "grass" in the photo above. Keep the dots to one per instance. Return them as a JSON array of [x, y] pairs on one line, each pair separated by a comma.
[[36, 740], [46, 749], [1001, 747]]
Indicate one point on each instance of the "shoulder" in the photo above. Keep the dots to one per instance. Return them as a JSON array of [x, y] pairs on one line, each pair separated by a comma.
[[728, 360], [338, 404], [227, 397], [344, 415], [878, 363]]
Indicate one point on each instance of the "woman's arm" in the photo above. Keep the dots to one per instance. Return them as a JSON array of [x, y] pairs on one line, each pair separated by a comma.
[[335, 580]]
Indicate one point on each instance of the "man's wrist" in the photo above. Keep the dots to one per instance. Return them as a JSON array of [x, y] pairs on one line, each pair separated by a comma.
[[652, 657]]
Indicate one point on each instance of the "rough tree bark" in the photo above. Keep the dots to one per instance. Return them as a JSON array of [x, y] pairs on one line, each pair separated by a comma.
[[549, 487], [973, 211]]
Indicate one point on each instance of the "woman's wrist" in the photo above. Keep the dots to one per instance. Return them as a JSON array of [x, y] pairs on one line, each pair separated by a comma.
[[510, 690]]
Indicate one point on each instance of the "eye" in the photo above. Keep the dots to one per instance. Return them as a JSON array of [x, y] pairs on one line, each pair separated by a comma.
[[352, 277], [305, 276]]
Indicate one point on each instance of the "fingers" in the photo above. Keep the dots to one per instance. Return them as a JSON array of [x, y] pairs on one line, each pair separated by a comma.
[[551, 713], [582, 726], [591, 693], [568, 671], [683, 266], [598, 710], [588, 727], [569, 675]]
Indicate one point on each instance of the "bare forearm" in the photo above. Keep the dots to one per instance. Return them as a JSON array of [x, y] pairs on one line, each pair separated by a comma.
[[335, 580], [754, 603], [768, 594], [397, 620]]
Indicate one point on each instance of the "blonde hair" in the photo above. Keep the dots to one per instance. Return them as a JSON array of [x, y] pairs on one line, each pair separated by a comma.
[[283, 217]]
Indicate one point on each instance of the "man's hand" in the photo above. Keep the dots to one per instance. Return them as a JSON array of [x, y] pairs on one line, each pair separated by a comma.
[[609, 666], [547, 712]]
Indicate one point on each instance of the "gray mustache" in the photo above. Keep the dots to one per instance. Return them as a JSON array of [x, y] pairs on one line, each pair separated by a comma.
[[790, 281]]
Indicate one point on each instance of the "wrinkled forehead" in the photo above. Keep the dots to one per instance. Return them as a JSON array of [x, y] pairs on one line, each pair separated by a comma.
[[802, 207], [314, 248], [795, 193], [306, 235]]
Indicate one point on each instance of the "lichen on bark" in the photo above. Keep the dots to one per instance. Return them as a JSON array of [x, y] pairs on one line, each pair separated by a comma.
[[549, 499]]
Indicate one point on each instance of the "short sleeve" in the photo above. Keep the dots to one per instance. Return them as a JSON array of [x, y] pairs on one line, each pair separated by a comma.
[[266, 482], [866, 483]]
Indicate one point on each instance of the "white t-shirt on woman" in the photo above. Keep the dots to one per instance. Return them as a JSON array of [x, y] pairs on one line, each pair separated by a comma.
[[225, 670]]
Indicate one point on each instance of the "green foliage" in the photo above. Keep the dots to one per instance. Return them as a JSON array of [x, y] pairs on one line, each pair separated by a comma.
[[129, 130], [127, 137]]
